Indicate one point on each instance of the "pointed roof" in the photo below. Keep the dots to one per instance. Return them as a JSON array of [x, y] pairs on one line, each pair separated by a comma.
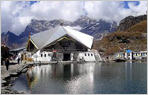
[[45, 38]]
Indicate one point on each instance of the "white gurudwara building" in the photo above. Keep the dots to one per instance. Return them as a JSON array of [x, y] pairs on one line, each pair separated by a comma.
[[61, 43]]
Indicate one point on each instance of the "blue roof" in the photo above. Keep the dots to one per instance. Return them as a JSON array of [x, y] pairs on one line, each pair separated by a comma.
[[128, 51]]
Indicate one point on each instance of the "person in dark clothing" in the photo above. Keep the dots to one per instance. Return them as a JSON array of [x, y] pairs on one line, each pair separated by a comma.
[[18, 60], [21, 59], [7, 63]]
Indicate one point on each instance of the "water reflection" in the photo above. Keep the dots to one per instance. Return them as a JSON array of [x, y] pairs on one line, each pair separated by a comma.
[[128, 69], [86, 78]]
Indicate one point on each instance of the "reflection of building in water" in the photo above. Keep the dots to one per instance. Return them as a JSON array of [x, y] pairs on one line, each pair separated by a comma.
[[31, 77], [35, 74], [97, 69], [57, 70], [31, 80], [67, 71], [54, 74], [60, 71], [61, 44], [84, 78], [128, 71]]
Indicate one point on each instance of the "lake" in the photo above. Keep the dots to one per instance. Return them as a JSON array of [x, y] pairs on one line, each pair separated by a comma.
[[88, 78]]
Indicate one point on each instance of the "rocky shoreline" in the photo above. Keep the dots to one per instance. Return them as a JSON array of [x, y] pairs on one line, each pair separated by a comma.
[[12, 73]]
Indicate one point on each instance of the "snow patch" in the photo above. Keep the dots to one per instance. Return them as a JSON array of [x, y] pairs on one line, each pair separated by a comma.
[[75, 27]]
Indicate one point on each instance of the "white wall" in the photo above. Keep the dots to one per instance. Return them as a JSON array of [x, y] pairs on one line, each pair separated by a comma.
[[139, 55], [88, 56], [37, 56]]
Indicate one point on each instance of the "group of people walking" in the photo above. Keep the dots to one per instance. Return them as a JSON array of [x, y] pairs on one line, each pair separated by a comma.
[[7, 63]]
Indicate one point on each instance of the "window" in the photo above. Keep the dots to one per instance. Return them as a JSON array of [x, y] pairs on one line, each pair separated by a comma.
[[143, 54], [48, 54], [91, 54], [85, 54], [41, 55], [45, 55], [88, 54]]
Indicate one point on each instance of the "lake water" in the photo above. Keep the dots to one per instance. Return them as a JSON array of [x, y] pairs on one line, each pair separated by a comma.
[[88, 78]]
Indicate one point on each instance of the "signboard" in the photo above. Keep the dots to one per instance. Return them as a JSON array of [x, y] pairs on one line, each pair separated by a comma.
[[54, 51]]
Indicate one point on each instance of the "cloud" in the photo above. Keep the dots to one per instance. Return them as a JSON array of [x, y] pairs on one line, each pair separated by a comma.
[[113, 10], [57, 10], [140, 9], [16, 15]]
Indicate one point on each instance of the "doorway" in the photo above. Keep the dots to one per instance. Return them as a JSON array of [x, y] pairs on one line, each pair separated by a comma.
[[66, 57]]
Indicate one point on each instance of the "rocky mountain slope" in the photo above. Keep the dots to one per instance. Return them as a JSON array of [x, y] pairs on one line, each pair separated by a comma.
[[130, 21], [83, 24], [9, 39], [131, 34]]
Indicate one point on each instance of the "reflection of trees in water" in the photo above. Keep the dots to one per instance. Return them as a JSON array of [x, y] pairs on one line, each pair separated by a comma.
[[31, 78]]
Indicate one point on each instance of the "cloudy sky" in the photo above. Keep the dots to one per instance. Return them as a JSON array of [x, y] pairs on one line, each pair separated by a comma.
[[16, 15]]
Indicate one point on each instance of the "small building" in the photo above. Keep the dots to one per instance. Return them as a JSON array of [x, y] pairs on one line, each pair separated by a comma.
[[61, 44], [140, 55], [131, 55], [17, 52], [120, 55]]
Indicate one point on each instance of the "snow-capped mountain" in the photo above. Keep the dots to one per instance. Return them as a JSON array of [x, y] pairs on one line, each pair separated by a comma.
[[83, 24]]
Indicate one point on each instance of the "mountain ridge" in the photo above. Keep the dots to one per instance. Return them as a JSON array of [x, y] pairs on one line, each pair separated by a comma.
[[83, 24], [133, 38]]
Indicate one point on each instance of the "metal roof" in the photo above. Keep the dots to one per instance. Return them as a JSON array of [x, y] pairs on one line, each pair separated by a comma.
[[18, 49], [45, 38]]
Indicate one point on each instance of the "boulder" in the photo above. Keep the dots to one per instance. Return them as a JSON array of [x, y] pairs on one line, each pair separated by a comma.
[[14, 74], [24, 70]]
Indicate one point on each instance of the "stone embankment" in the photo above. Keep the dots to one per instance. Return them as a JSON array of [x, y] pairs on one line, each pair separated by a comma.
[[7, 75]]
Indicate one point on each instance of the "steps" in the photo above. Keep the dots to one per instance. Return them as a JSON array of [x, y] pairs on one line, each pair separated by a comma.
[[97, 56]]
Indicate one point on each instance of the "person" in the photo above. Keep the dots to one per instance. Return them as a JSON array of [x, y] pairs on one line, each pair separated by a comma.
[[18, 60], [21, 59], [7, 63]]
